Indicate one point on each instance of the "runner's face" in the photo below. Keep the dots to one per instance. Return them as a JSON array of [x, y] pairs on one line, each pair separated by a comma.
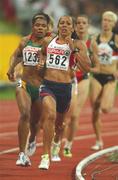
[[65, 26], [82, 25], [107, 23], [40, 28]]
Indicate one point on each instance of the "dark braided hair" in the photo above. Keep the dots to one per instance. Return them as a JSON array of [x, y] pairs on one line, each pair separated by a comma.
[[41, 15]]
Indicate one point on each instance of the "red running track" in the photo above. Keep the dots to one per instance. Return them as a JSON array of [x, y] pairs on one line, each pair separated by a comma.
[[64, 170]]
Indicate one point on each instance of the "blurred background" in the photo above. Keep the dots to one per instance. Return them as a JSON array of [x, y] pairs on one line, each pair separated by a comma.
[[16, 15]]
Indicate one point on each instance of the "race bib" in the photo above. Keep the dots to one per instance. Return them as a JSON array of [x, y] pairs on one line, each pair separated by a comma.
[[30, 56], [58, 59], [105, 54]]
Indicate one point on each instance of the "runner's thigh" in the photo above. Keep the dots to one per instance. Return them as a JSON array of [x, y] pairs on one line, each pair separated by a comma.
[[95, 89], [108, 96]]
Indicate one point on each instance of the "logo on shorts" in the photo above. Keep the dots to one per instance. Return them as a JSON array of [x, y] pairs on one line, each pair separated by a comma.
[[41, 87]]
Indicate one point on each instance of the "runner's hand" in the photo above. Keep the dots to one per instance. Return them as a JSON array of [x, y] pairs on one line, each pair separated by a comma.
[[70, 42], [41, 61], [83, 61], [10, 75]]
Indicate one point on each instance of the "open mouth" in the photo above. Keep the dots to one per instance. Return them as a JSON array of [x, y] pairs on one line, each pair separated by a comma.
[[81, 28], [64, 30], [39, 32]]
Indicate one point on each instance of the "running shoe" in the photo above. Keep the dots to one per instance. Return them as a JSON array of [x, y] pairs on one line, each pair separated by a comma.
[[31, 148], [55, 152], [45, 162], [23, 160], [98, 146], [67, 152]]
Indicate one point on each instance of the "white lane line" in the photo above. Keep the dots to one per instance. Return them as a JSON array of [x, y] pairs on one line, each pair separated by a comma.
[[82, 137], [86, 161], [82, 127], [88, 136], [8, 134], [8, 125], [16, 149], [108, 125], [9, 151]]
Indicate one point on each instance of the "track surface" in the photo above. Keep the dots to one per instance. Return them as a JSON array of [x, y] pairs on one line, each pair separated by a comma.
[[64, 170]]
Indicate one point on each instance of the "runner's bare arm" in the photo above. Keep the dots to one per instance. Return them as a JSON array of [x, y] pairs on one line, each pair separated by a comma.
[[70, 42], [82, 59], [15, 59], [94, 57], [42, 54], [116, 43]]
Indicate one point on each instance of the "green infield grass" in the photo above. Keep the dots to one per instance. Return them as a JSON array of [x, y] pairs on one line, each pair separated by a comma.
[[7, 93]]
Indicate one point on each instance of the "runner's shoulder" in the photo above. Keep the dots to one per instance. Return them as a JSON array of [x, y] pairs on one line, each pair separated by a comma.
[[25, 39]]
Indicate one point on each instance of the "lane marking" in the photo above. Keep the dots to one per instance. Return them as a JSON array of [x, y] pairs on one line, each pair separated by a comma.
[[88, 136], [86, 161], [9, 151], [8, 134], [82, 137], [7, 125], [16, 149], [82, 127]]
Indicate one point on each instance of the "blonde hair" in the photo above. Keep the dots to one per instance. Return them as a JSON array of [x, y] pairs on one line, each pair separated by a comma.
[[111, 14]]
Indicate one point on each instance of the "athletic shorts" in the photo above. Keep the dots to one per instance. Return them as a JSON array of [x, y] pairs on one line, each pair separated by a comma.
[[33, 91], [82, 77], [61, 92], [104, 78]]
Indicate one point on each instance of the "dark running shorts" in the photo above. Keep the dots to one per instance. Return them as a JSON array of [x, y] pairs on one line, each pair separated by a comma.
[[60, 91], [104, 78]]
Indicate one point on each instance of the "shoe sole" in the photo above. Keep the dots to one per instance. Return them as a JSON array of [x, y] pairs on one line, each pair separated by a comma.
[[43, 168], [55, 160], [68, 156], [23, 165]]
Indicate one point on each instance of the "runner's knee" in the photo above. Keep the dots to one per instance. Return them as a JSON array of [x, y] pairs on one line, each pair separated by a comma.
[[25, 115]]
